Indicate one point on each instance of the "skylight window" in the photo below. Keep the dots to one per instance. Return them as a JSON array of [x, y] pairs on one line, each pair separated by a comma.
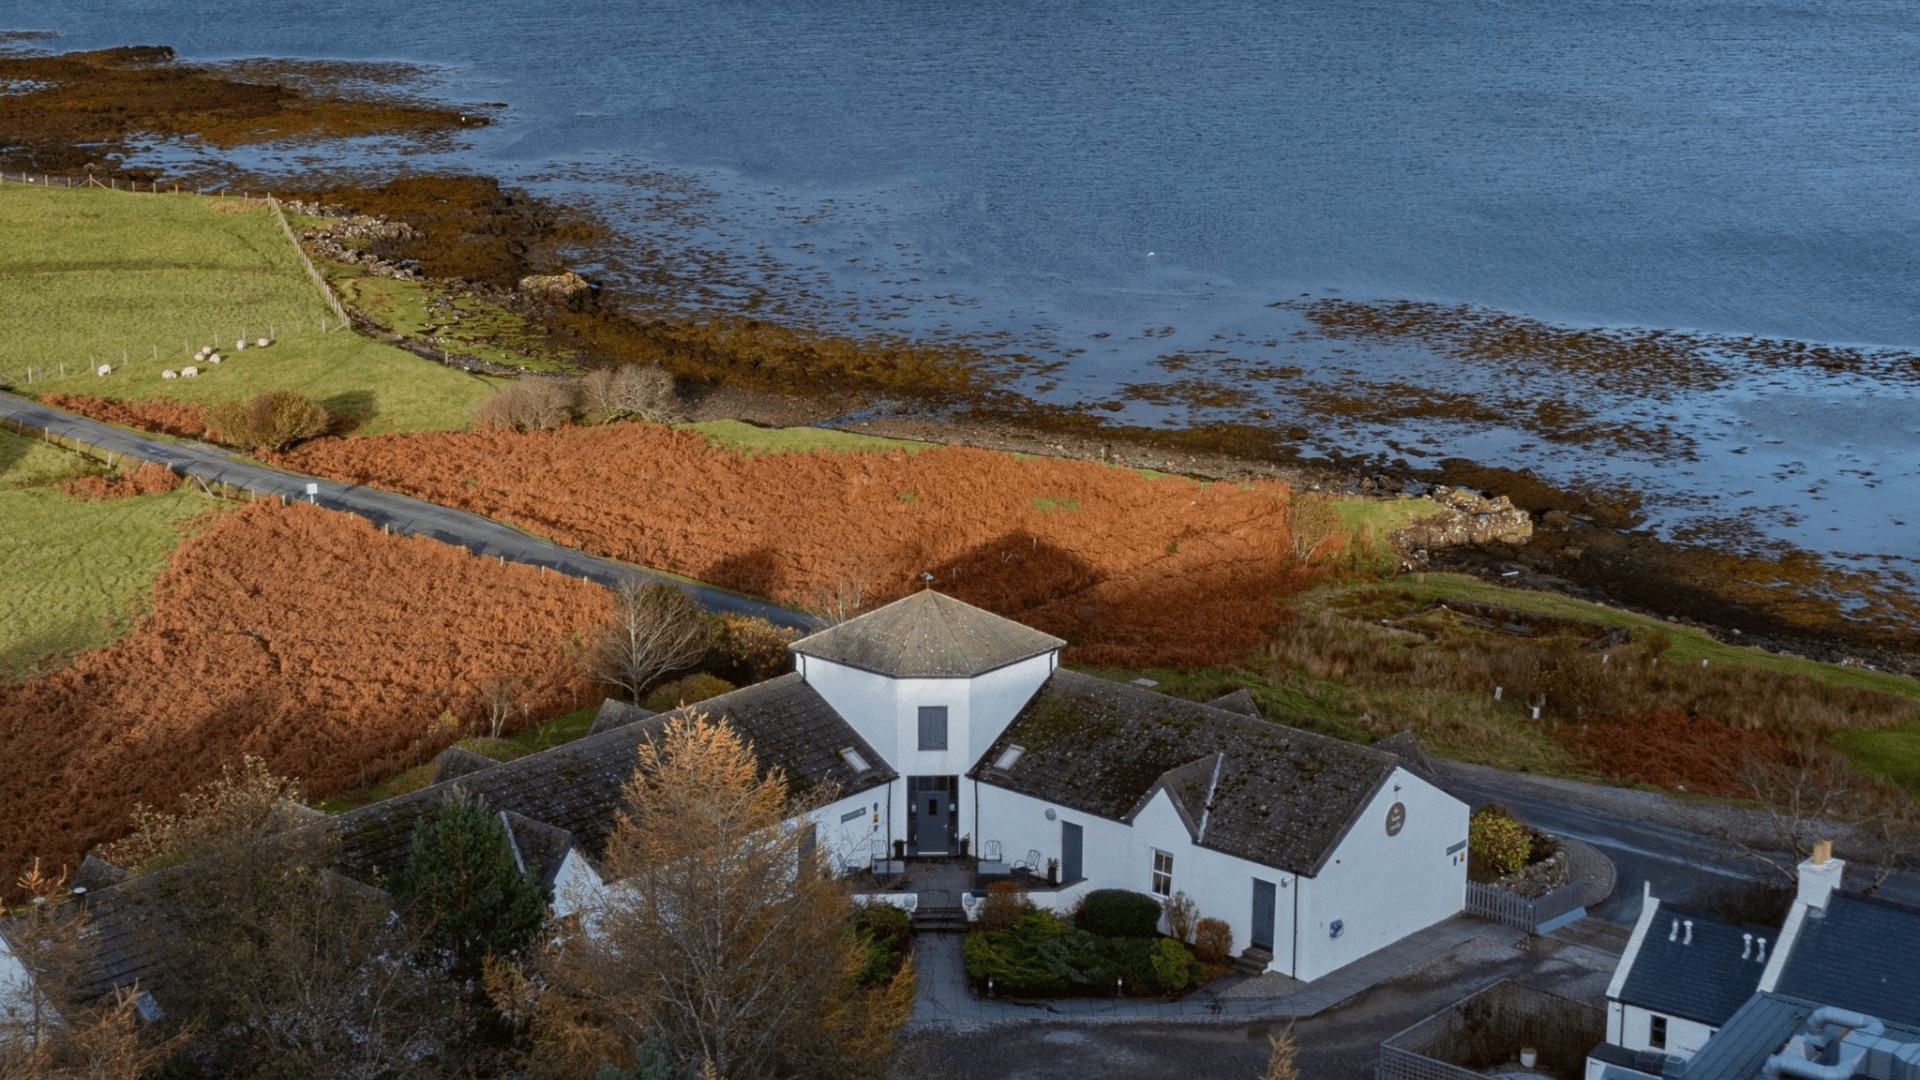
[[854, 760], [1008, 756]]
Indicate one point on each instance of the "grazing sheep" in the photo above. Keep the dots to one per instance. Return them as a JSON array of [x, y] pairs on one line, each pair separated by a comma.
[[240, 345], [213, 358], [263, 343], [103, 370], [188, 373], [169, 374]]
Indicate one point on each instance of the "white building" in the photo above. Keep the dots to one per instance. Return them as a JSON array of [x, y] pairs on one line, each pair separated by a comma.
[[1314, 850], [1695, 998]]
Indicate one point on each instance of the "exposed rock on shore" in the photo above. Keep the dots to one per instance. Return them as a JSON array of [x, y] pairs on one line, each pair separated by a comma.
[[1469, 520]]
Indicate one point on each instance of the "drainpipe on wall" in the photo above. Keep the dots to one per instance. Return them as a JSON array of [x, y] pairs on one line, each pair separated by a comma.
[[1295, 973]]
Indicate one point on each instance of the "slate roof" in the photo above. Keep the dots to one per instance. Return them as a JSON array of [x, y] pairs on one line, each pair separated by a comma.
[[555, 801], [1862, 953], [1705, 981], [928, 635], [576, 786], [615, 714], [1285, 797]]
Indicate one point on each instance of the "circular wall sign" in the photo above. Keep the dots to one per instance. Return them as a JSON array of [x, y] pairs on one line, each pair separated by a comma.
[[1396, 818]]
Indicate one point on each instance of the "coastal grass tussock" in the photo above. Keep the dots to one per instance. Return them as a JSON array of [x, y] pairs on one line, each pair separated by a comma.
[[305, 637]]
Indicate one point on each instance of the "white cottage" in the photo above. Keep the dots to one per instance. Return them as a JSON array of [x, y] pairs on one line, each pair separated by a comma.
[[1314, 850]]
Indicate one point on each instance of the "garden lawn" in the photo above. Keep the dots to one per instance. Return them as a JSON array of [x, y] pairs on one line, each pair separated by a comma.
[[141, 282], [74, 575]]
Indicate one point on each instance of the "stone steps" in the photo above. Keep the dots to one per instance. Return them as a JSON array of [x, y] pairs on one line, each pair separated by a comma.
[[1253, 962], [940, 920]]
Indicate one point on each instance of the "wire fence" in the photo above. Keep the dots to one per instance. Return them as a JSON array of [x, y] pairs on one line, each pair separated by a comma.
[[41, 372]]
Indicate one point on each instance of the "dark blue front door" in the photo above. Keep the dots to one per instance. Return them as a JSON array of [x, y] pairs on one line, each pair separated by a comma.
[[1263, 911]]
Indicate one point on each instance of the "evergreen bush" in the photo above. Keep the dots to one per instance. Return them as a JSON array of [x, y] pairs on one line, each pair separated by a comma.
[[1120, 913], [1498, 842], [462, 884]]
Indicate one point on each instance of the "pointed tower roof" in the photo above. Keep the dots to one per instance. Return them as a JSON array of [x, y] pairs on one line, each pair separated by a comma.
[[928, 635]]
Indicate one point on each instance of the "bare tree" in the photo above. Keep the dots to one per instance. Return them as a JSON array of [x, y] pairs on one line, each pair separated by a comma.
[[839, 602], [500, 703], [656, 628], [722, 937], [1811, 795], [530, 403], [643, 390]]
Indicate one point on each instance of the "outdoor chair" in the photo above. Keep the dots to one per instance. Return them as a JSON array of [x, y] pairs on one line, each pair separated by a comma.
[[1031, 865], [990, 851]]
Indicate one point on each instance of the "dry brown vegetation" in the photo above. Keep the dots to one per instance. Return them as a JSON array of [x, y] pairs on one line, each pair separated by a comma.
[[1128, 570], [299, 635], [145, 480], [183, 418]]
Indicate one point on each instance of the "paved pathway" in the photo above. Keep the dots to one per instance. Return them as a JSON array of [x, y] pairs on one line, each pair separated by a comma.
[[946, 1000], [480, 535]]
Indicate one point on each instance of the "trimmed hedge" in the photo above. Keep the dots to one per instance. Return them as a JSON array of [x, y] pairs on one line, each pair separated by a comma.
[[1120, 913], [1042, 954]]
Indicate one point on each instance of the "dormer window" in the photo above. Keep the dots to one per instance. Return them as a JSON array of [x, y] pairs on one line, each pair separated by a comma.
[[1008, 756], [853, 759], [933, 727]]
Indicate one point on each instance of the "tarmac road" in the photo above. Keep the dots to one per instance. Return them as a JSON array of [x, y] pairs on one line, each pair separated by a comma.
[[1650, 837], [480, 535]]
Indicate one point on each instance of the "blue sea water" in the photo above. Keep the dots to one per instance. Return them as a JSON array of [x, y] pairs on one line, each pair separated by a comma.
[[1107, 184]]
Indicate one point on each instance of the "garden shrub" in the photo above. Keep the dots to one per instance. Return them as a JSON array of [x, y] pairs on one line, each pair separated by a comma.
[[686, 691], [1497, 842], [1213, 940], [1174, 968], [1120, 913], [885, 931], [1181, 912], [1079, 958], [1011, 957], [749, 650], [1002, 907]]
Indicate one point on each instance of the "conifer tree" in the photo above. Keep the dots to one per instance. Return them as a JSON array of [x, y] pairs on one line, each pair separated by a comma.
[[466, 890]]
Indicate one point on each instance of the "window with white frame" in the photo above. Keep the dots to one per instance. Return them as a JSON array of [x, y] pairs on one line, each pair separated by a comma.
[[1162, 872]]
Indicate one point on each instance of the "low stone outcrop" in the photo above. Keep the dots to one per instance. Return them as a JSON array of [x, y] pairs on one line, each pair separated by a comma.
[[1467, 519]]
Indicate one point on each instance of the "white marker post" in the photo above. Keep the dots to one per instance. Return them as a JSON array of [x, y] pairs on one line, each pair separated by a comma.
[[313, 490]]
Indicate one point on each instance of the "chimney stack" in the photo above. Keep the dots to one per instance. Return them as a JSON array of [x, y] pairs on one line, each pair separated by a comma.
[[1819, 876]]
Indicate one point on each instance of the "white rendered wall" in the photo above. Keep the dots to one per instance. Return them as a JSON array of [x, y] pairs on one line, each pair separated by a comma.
[[1220, 885], [1684, 1037], [16, 1008], [886, 712], [848, 845], [1115, 855], [1382, 887], [576, 885]]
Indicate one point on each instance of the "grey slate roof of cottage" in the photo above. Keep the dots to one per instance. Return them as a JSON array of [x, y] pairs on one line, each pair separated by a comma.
[[1705, 981], [555, 800], [1239, 701], [613, 714], [576, 786], [457, 761], [1285, 797], [928, 635], [1862, 953]]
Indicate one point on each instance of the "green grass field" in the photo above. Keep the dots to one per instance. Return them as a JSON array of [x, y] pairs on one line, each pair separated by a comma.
[[74, 575], [748, 439], [93, 276], [28, 462]]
